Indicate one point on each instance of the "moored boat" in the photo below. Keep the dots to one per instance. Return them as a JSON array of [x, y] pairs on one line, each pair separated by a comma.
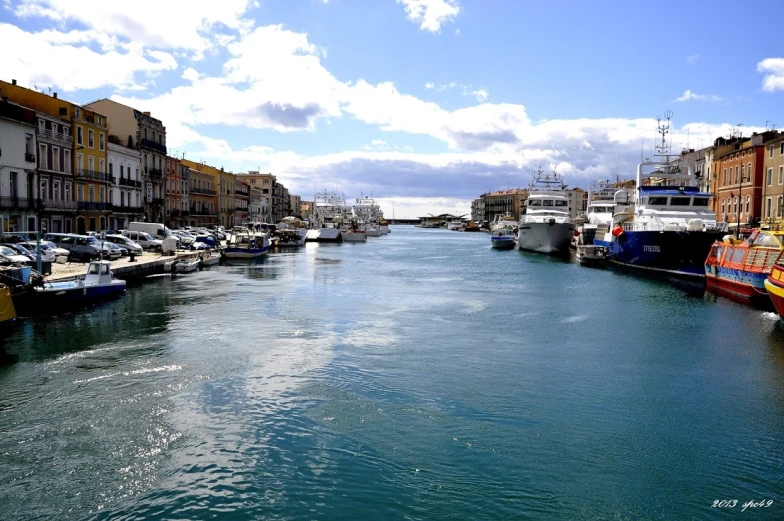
[[591, 255], [183, 265], [328, 213], [739, 271], [7, 309], [774, 284], [502, 233], [354, 232], [98, 284], [546, 226], [242, 243]]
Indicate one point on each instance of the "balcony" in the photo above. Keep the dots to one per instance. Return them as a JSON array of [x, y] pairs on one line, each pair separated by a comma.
[[58, 204], [128, 209], [153, 145], [30, 158], [241, 193], [20, 203], [84, 206], [155, 173], [92, 175], [241, 209], [203, 191], [124, 181], [57, 136], [64, 171]]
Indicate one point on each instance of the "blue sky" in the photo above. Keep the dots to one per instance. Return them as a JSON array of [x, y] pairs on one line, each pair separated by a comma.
[[426, 103]]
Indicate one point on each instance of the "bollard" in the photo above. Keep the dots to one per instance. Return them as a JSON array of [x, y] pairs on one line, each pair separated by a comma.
[[132, 255]]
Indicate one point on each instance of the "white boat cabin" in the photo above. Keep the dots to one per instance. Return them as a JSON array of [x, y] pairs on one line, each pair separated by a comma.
[[543, 207]]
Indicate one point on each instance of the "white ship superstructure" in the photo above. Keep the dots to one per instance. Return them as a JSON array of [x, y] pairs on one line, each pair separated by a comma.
[[547, 226]]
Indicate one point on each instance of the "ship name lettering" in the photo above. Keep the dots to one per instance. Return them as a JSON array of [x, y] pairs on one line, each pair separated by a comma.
[[652, 249]]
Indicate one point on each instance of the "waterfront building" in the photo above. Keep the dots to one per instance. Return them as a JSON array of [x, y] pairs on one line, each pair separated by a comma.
[[203, 198], [695, 159], [738, 176], [258, 208], [478, 209], [295, 207], [773, 185], [224, 187], [271, 191], [126, 191], [306, 209], [19, 201], [505, 202], [148, 135], [185, 198], [241, 200], [55, 173], [173, 192], [90, 166]]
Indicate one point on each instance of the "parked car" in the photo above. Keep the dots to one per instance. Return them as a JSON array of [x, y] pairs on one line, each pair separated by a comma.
[[155, 230], [115, 251], [21, 250], [14, 256], [124, 242], [47, 253], [82, 247], [143, 239]]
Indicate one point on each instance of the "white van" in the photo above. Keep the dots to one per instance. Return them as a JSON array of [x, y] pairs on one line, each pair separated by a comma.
[[156, 230], [143, 239]]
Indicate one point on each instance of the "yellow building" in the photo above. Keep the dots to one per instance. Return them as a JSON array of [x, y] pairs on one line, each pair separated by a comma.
[[93, 183], [224, 186]]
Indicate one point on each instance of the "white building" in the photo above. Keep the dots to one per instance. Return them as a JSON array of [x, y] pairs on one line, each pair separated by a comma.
[[125, 194], [19, 199]]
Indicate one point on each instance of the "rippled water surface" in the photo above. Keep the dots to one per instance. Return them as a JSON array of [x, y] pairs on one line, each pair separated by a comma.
[[419, 376]]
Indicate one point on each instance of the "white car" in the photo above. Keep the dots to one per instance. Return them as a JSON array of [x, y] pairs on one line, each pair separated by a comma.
[[143, 239], [13, 256], [47, 253]]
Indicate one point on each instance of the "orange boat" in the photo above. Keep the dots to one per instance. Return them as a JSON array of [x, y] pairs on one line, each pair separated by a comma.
[[738, 271], [775, 286]]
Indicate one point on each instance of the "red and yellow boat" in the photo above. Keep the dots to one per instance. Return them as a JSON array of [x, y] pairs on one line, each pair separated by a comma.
[[774, 284], [738, 271]]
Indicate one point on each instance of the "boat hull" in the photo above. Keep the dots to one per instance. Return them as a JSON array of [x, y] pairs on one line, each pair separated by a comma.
[[743, 287], [354, 236], [324, 235], [245, 253], [385, 230], [502, 243], [677, 253], [66, 294], [553, 239], [7, 309], [373, 232]]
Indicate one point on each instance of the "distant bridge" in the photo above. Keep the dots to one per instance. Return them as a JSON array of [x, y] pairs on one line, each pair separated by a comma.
[[404, 221]]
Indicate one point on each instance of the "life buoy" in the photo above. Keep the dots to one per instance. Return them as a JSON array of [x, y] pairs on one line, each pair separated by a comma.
[[617, 231]]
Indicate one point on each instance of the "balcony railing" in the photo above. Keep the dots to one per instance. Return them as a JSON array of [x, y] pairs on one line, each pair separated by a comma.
[[20, 203], [65, 171], [240, 192], [155, 173], [92, 175], [202, 191], [128, 209], [93, 207], [124, 181], [203, 212], [30, 158], [58, 136], [153, 145], [59, 204], [241, 209]]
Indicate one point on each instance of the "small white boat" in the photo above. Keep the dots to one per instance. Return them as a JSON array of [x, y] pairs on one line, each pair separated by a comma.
[[245, 244], [209, 259], [373, 229], [188, 265], [98, 284], [503, 232], [592, 256]]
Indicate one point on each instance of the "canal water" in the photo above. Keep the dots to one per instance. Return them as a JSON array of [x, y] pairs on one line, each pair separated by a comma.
[[419, 376]]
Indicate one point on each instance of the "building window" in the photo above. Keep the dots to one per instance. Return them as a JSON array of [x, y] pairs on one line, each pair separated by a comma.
[[79, 163], [781, 173], [56, 159], [742, 173], [90, 138], [102, 165], [781, 152], [778, 206], [42, 163], [66, 160], [101, 144], [748, 204], [748, 172], [770, 149], [768, 202], [724, 180], [770, 176], [79, 136], [91, 164]]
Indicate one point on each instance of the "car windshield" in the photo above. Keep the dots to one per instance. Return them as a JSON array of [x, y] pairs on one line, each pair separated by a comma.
[[93, 241], [145, 236], [5, 250]]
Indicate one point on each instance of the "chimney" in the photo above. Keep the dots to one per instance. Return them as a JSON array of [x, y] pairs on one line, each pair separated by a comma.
[[54, 95], [13, 82], [146, 113]]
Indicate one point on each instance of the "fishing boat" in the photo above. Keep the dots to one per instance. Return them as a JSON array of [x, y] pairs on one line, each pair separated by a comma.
[[384, 224], [591, 255], [354, 231], [603, 199], [209, 258], [502, 232], [243, 243], [546, 226], [669, 229], [98, 284], [327, 217], [738, 270]]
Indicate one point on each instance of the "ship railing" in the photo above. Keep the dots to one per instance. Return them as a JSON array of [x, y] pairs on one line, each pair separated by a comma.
[[761, 259]]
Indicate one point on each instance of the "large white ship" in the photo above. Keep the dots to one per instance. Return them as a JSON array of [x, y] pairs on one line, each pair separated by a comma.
[[547, 226], [328, 214], [367, 211]]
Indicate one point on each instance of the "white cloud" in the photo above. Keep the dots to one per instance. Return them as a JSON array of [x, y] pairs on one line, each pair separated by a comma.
[[688, 95], [49, 57], [692, 59], [481, 94], [431, 14], [773, 68], [171, 24]]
